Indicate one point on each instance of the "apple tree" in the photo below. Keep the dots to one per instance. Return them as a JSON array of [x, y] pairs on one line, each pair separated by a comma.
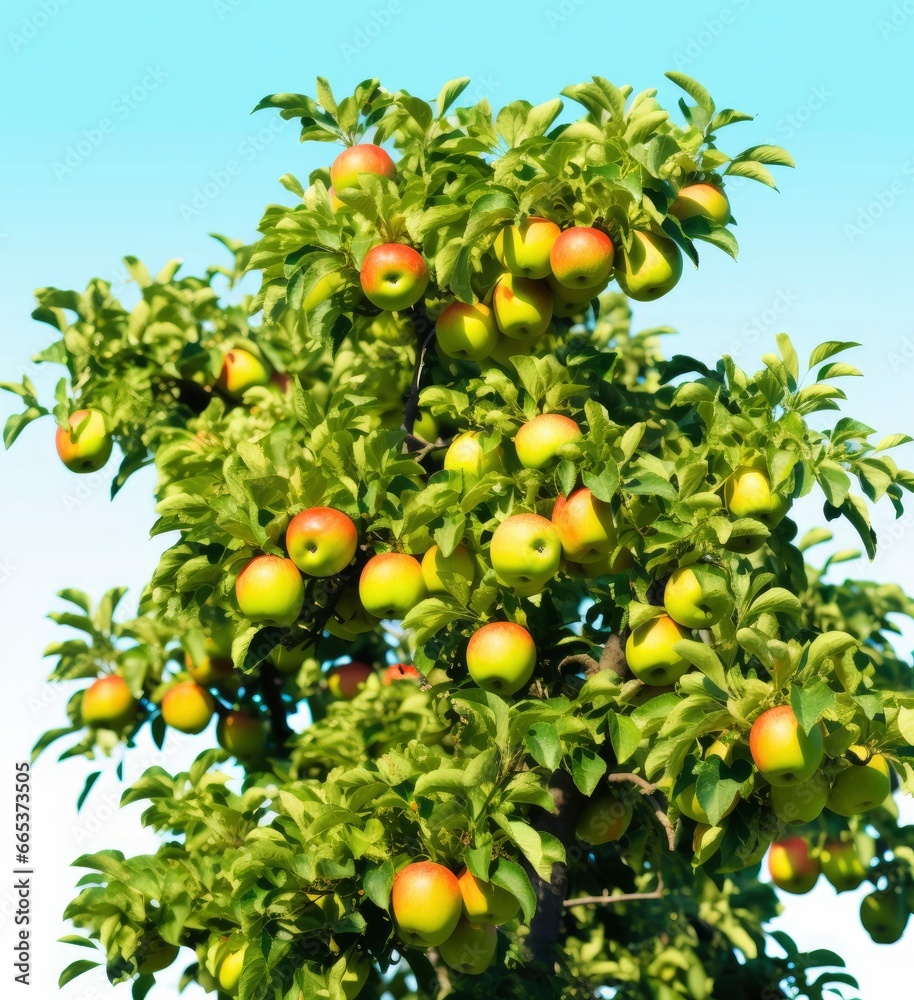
[[517, 662]]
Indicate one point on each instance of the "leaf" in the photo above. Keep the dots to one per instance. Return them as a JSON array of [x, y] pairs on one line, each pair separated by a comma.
[[543, 744], [450, 92], [510, 876], [754, 171], [694, 89], [774, 155], [829, 349], [905, 723], [377, 883], [624, 735], [775, 601], [87, 787], [811, 702], [75, 969], [705, 659], [587, 768]]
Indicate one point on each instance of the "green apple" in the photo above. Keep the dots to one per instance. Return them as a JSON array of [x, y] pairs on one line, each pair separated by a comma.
[[884, 916], [800, 803], [747, 493], [393, 276], [85, 446], [781, 749], [466, 332], [585, 527], [651, 268], [426, 903], [507, 347], [322, 290], [437, 567], [604, 819], [241, 370], [650, 651], [501, 657], [108, 704], [525, 553], [582, 257], [270, 588], [348, 679], [791, 867], [860, 787], [485, 902], [524, 250], [241, 734], [523, 307], [706, 201], [230, 970], [391, 585], [471, 948], [188, 707], [843, 865], [321, 541], [362, 158], [539, 441], [570, 302], [697, 596], [466, 454]]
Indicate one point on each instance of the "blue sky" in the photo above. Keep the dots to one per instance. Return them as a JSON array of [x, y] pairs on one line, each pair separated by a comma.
[[131, 134]]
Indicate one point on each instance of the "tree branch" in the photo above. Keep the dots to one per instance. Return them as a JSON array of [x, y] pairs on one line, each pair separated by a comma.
[[271, 681], [606, 899], [613, 656], [425, 331], [588, 663], [649, 791]]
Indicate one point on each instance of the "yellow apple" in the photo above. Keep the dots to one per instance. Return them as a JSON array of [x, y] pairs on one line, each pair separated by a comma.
[[651, 268], [525, 553], [783, 752], [459, 563], [501, 657], [697, 596], [524, 250], [471, 948], [539, 441], [391, 585], [791, 867], [85, 446], [426, 903], [650, 653], [485, 902], [523, 307]]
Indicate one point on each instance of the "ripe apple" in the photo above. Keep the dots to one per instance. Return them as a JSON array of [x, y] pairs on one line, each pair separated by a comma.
[[748, 494], [471, 947], [466, 454], [270, 588], [108, 704], [860, 787], [800, 803], [525, 553], [188, 707], [782, 750], [697, 596], [467, 332], [350, 618], [523, 307], [842, 864], [501, 657], [241, 371], [884, 916], [582, 257], [212, 670], [86, 445], [485, 902], [323, 289], [539, 440], [568, 302], [585, 527], [791, 867], [650, 654], [604, 819], [242, 735], [459, 563], [650, 268], [230, 970], [391, 585], [156, 957], [426, 903], [705, 200], [524, 250], [363, 158], [321, 541], [346, 680], [399, 672], [393, 276]]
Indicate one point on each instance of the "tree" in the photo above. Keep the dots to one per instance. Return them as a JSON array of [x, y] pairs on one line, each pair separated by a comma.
[[613, 828]]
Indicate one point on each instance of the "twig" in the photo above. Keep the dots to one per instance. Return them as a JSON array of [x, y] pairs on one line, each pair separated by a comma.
[[613, 656], [425, 331], [589, 664], [648, 789], [631, 897]]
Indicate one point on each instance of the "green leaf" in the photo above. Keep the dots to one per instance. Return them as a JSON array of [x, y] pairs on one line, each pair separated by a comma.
[[75, 969], [450, 92], [510, 876], [694, 89], [624, 735], [543, 744], [811, 702], [705, 659], [777, 600], [773, 155], [753, 171], [587, 768], [377, 883], [829, 349]]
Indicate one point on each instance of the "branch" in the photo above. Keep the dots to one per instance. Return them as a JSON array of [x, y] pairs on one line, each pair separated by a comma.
[[649, 791], [588, 663], [425, 331], [613, 656], [605, 899], [271, 682]]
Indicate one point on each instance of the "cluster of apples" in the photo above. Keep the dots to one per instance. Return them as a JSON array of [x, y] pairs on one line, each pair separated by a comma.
[[459, 915], [795, 866]]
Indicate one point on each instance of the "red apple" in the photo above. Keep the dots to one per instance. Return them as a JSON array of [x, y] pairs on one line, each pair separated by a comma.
[[582, 257], [86, 445], [391, 585], [585, 527], [791, 867], [321, 541], [782, 750], [270, 588], [108, 703], [363, 158], [346, 680], [399, 672], [393, 276]]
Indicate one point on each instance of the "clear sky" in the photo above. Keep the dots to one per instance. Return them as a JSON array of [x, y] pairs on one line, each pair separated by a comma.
[[127, 131]]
